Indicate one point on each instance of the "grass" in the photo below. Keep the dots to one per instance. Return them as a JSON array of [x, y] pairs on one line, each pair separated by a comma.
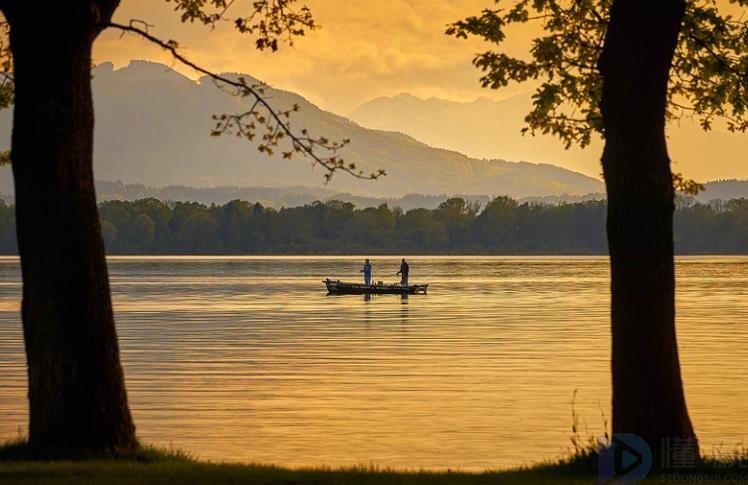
[[151, 465]]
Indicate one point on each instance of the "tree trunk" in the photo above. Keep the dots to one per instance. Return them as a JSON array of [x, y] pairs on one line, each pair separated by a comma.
[[648, 398], [77, 397]]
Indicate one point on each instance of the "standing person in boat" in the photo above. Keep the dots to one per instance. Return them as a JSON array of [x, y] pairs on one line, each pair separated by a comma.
[[404, 270], [367, 272]]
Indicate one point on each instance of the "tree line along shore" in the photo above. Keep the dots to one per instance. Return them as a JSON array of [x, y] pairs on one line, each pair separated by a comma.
[[503, 226]]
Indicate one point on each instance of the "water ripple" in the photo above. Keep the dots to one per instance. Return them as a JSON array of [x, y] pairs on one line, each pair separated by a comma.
[[247, 359]]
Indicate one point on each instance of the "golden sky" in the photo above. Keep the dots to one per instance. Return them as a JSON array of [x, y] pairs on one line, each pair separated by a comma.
[[363, 50], [368, 49]]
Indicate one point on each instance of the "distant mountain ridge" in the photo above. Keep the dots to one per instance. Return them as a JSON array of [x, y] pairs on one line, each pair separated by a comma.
[[487, 127], [724, 190], [297, 196], [276, 197], [479, 128], [300, 195], [153, 124]]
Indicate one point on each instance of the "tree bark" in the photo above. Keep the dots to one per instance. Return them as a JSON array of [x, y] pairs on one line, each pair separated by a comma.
[[648, 398], [77, 397]]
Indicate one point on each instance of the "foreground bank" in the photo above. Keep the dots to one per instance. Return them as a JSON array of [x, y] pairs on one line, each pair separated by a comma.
[[116, 473], [167, 468]]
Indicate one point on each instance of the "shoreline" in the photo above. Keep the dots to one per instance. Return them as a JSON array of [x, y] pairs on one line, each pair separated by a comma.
[[151, 465]]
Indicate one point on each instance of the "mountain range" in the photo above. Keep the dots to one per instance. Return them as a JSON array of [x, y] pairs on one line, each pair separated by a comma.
[[152, 137], [297, 196], [480, 128], [153, 125], [270, 196], [486, 127]]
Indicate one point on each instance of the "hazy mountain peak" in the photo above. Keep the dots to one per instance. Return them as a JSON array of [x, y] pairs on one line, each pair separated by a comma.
[[234, 76], [104, 67], [403, 97], [139, 71]]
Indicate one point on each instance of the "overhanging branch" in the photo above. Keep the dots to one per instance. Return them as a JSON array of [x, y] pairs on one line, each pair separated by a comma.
[[302, 143]]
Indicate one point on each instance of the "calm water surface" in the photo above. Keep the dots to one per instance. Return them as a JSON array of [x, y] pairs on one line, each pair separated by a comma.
[[247, 359]]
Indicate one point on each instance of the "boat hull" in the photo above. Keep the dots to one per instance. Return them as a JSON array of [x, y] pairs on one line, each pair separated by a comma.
[[336, 287]]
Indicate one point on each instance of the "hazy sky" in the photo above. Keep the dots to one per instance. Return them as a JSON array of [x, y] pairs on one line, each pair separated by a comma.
[[362, 50], [368, 49]]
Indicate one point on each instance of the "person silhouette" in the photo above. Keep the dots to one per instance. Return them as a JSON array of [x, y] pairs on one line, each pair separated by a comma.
[[367, 272], [404, 270]]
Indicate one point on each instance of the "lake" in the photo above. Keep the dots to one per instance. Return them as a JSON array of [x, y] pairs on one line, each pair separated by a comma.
[[247, 359]]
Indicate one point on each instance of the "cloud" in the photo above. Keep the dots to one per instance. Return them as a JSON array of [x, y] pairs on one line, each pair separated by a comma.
[[364, 49]]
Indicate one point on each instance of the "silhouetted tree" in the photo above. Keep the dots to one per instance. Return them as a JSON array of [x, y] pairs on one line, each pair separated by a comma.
[[620, 68], [457, 214], [77, 395], [648, 397], [498, 223]]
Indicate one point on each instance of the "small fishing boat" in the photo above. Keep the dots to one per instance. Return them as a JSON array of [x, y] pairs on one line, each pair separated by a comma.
[[337, 287]]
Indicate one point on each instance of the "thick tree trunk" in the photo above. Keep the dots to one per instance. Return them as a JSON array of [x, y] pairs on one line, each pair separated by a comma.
[[648, 398], [77, 398]]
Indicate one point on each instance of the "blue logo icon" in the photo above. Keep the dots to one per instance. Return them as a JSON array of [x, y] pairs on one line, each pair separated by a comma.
[[626, 460]]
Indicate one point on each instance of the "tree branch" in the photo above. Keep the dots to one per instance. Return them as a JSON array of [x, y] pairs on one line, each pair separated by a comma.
[[722, 59], [301, 143]]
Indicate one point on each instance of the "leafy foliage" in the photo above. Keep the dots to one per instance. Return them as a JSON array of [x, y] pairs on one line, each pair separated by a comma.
[[269, 20], [709, 76], [563, 61], [686, 186]]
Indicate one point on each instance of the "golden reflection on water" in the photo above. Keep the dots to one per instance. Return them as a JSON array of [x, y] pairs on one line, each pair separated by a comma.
[[247, 359]]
